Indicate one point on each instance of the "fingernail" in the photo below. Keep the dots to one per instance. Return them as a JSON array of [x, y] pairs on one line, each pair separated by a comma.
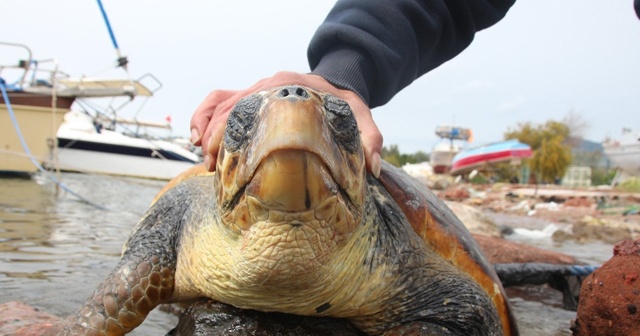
[[195, 136], [376, 164]]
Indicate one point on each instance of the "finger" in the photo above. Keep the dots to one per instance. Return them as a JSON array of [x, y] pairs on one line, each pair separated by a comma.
[[372, 144], [212, 136], [204, 113], [212, 149], [370, 135]]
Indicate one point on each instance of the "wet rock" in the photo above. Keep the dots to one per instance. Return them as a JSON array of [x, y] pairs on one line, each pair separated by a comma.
[[562, 236], [474, 220], [214, 318], [537, 319], [610, 296], [20, 319], [609, 231], [440, 182], [501, 251]]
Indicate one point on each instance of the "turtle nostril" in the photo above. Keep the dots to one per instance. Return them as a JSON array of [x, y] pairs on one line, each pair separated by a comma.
[[293, 92], [300, 92]]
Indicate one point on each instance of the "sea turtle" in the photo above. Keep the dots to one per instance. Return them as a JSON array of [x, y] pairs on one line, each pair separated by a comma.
[[291, 222]]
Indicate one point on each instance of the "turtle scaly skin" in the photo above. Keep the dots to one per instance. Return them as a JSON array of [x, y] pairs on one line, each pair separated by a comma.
[[291, 223]]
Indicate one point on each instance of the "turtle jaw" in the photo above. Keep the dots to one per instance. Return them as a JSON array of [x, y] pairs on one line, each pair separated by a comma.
[[293, 187]]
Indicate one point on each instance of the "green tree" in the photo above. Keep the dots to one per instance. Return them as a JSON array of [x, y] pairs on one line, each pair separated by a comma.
[[552, 159], [504, 172], [551, 155], [602, 176], [392, 155], [420, 156]]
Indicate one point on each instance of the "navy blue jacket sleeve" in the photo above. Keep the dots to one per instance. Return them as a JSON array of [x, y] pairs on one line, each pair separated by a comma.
[[377, 47]]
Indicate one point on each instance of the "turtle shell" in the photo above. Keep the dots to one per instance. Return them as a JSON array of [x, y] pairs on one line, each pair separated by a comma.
[[440, 229]]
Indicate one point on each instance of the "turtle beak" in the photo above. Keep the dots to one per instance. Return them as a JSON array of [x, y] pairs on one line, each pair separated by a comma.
[[293, 118], [291, 123]]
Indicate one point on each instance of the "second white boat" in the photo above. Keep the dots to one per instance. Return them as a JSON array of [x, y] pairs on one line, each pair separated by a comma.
[[85, 146]]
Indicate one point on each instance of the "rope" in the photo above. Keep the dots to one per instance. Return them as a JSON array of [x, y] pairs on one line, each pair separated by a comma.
[[580, 270], [536, 273], [28, 152]]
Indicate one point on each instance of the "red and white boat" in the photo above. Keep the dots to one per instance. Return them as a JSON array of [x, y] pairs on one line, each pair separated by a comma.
[[474, 158]]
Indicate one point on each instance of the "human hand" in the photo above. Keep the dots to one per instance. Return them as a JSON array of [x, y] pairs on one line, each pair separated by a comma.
[[210, 118]]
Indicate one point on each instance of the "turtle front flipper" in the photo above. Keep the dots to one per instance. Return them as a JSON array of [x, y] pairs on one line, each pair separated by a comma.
[[143, 279], [123, 300]]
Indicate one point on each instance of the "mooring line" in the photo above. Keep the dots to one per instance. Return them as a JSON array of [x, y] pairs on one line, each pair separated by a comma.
[[30, 156]]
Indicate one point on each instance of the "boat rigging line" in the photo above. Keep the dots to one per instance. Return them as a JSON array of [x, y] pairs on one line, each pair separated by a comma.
[[28, 152]]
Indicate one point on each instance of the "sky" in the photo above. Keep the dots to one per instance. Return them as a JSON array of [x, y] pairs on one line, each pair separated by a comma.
[[544, 60]]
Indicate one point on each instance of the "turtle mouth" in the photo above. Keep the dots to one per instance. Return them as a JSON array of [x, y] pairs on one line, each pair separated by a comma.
[[293, 187], [292, 180]]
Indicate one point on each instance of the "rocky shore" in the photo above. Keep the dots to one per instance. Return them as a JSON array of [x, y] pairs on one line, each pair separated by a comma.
[[609, 297], [582, 215]]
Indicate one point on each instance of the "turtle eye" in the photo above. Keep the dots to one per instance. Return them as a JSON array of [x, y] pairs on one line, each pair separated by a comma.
[[240, 122], [343, 123]]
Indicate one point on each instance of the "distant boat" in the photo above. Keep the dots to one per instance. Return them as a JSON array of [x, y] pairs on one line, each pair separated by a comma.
[[32, 106], [442, 153], [624, 153], [38, 127], [474, 158]]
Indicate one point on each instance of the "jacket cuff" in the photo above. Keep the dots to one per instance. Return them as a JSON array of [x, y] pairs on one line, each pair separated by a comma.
[[346, 69]]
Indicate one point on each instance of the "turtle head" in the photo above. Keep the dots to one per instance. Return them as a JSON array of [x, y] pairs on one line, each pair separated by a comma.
[[291, 159]]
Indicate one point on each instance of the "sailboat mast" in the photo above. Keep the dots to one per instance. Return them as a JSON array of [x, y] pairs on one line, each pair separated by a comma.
[[122, 60]]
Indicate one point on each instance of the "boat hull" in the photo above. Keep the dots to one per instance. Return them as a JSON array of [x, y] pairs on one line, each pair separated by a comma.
[[442, 156], [99, 162], [82, 147], [38, 124], [476, 158]]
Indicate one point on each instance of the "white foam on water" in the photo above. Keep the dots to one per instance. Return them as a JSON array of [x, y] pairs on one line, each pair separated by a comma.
[[546, 232]]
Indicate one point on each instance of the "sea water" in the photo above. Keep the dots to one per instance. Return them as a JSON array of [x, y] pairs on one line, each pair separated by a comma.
[[55, 249]]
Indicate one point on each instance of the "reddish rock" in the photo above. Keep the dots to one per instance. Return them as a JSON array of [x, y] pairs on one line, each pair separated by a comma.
[[610, 296], [458, 194], [579, 202], [627, 248], [20, 319], [500, 251]]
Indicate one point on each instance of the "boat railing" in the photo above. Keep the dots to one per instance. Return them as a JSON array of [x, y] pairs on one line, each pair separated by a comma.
[[36, 76], [454, 133], [32, 75]]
